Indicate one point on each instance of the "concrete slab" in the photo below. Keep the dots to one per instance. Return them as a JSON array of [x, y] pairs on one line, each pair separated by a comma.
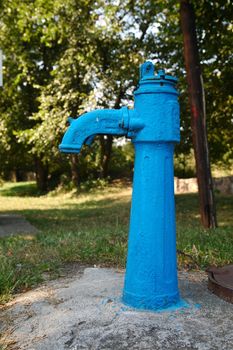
[[11, 224], [85, 312]]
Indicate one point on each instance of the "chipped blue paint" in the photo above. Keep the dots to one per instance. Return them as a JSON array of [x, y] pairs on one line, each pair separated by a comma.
[[153, 125]]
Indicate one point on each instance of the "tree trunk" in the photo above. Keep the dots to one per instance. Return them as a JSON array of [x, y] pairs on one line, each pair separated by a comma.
[[106, 151], [198, 120], [106, 143], [41, 175], [74, 170]]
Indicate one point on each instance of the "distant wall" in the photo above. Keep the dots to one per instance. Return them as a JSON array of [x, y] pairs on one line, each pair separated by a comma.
[[223, 185]]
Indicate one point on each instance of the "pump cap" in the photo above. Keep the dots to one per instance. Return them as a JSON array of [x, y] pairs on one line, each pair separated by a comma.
[[147, 72]]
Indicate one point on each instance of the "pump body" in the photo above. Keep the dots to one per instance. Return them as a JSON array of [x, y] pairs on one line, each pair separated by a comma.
[[153, 126]]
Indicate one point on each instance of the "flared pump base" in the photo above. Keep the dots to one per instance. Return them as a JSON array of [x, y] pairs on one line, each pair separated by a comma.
[[155, 303]]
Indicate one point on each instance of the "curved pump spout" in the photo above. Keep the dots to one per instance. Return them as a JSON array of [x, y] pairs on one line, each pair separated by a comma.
[[103, 121]]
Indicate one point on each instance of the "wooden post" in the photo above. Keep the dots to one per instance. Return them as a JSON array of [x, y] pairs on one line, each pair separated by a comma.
[[198, 120]]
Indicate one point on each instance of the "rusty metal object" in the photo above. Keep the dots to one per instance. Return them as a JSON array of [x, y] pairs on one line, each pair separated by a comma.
[[220, 282]]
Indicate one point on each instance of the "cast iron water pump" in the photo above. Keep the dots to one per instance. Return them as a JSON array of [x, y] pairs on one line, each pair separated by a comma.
[[153, 126]]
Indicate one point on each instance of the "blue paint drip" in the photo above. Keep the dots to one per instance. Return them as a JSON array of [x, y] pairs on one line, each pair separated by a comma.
[[181, 306]]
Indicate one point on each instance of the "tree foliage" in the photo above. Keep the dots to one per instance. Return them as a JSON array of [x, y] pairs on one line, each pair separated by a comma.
[[64, 58]]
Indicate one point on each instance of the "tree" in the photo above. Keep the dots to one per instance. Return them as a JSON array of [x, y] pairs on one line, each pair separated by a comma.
[[98, 68], [215, 35], [197, 102], [65, 58], [29, 56]]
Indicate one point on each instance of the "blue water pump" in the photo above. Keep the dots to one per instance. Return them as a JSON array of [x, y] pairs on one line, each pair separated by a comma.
[[154, 128]]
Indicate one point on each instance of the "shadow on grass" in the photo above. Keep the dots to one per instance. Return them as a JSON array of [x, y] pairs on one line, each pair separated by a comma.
[[23, 189], [91, 215], [106, 212], [101, 214]]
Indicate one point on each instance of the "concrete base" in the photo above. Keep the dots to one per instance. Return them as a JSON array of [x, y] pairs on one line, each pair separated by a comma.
[[85, 312]]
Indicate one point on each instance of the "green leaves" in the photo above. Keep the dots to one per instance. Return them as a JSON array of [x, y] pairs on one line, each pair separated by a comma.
[[63, 58]]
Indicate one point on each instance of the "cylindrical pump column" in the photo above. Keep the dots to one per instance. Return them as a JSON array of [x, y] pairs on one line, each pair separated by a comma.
[[151, 272]]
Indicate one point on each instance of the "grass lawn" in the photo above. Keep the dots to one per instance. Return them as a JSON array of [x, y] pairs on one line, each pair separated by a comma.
[[92, 228]]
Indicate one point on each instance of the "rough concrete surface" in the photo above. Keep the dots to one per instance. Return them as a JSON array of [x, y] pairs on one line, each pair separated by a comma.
[[15, 224], [85, 312]]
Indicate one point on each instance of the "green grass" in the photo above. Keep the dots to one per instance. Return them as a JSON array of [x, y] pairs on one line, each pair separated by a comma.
[[21, 189], [91, 228]]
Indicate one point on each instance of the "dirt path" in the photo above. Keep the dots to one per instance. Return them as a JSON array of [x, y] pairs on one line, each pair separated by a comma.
[[15, 224]]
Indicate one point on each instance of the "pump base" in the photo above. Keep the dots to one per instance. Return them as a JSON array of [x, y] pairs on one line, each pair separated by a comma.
[[154, 303]]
